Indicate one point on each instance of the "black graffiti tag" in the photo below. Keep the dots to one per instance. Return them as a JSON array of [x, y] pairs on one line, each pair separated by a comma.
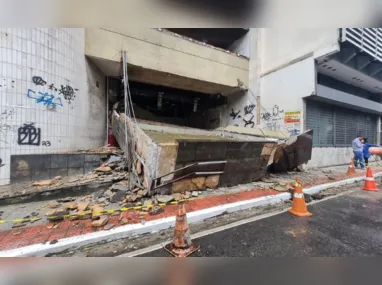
[[29, 135], [249, 122], [266, 116], [46, 143], [276, 110], [68, 92], [234, 114], [249, 109], [51, 87], [38, 80]]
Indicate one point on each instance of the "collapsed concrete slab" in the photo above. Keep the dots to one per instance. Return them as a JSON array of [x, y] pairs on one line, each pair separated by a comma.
[[164, 148]]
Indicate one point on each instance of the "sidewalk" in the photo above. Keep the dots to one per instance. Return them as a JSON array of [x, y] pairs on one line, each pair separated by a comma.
[[44, 231]]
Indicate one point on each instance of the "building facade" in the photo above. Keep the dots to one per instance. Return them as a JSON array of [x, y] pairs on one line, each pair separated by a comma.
[[52, 99], [58, 86], [331, 78]]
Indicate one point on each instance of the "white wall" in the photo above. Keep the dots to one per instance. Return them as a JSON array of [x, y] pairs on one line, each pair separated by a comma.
[[328, 156], [280, 46], [282, 91], [68, 115]]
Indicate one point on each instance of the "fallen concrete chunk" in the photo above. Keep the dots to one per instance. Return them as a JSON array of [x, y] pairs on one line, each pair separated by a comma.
[[165, 198], [103, 169], [108, 227], [97, 211], [124, 221], [147, 203], [156, 210], [177, 196], [43, 183], [199, 182], [194, 193], [82, 205], [114, 158], [57, 214], [118, 196], [53, 204], [71, 206], [101, 221], [212, 182]]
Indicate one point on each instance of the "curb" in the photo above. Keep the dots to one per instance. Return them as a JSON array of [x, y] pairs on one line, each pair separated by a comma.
[[165, 223]]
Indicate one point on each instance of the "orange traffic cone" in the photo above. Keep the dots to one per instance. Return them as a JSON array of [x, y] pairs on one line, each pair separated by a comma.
[[370, 184], [298, 206], [351, 168], [181, 245]]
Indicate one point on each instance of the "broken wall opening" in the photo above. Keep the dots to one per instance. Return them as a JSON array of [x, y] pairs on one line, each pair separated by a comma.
[[167, 105], [222, 38]]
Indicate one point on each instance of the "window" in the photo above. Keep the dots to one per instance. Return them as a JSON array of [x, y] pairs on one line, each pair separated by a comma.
[[336, 126]]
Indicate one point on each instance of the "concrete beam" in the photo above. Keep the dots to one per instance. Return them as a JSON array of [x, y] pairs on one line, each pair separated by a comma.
[[162, 57]]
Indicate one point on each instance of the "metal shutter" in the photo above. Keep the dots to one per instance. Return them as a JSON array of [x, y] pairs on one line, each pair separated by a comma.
[[336, 126]]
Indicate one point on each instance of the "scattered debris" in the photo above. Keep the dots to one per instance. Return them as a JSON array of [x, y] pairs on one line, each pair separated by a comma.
[[54, 241], [74, 180], [212, 182], [82, 205], [118, 196], [71, 206], [114, 158], [101, 221], [66, 199], [177, 196], [97, 211], [108, 227], [18, 225], [194, 194], [120, 187], [53, 204], [147, 203], [103, 169], [42, 183], [165, 198], [156, 210], [57, 178]]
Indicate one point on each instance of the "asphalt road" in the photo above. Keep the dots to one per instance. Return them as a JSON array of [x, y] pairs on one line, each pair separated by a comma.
[[347, 225]]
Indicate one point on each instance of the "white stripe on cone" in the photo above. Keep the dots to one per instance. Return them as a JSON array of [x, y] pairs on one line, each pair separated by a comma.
[[298, 195], [369, 179]]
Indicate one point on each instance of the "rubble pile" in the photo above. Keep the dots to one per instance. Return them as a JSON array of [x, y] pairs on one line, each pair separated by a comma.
[[104, 149]]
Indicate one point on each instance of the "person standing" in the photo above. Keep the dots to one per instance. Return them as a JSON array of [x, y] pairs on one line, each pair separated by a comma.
[[358, 152], [366, 153]]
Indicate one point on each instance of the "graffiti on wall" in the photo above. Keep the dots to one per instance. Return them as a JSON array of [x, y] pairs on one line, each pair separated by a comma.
[[29, 135], [247, 119], [45, 98], [1, 162], [52, 97], [273, 118], [46, 143], [8, 114]]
